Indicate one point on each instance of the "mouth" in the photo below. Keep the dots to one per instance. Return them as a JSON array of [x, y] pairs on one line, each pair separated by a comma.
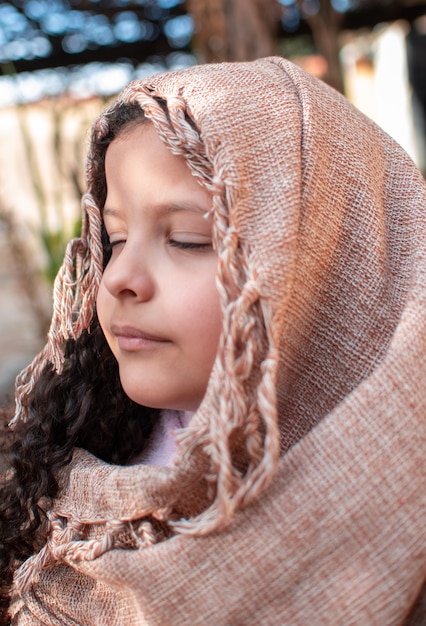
[[133, 339]]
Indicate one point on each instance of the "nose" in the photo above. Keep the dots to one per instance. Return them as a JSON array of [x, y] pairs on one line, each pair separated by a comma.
[[127, 274]]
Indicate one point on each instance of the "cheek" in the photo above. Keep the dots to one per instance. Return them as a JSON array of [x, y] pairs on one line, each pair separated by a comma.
[[102, 308], [207, 320]]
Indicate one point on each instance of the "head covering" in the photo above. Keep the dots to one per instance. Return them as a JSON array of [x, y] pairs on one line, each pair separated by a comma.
[[303, 465]]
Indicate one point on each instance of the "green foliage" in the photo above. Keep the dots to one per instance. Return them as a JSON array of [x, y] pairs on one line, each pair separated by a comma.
[[53, 232], [53, 238], [54, 243], [55, 174]]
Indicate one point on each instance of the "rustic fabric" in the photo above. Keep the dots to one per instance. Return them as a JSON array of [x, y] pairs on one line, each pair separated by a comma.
[[297, 494]]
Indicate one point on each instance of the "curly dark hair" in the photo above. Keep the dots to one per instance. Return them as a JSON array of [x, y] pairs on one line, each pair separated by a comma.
[[84, 406]]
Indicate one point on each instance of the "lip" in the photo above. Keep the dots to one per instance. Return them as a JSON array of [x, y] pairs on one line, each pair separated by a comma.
[[132, 339]]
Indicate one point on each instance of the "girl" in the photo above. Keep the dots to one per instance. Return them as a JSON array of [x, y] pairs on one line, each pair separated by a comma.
[[253, 251]]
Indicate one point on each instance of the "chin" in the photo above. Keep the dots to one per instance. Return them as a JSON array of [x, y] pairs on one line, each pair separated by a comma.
[[135, 396], [149, 397]]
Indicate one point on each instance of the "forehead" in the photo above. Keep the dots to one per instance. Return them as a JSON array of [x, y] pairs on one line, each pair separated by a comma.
[[141, 171], [140, 143]]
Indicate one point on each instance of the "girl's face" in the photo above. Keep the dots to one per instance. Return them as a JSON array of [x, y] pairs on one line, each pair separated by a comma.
[[158, 305]]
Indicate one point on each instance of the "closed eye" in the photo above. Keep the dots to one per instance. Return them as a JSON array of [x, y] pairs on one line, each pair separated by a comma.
[[113, 244], [190, 245]]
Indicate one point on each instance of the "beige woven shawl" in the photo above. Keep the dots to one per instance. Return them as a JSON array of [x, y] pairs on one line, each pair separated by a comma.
[[320, 224]]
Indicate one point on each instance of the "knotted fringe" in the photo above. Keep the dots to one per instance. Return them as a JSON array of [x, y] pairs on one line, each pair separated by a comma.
[[245, 347], [74, 295], [65, 544]]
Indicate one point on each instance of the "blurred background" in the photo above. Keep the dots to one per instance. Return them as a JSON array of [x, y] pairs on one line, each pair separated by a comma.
[[62, 60]]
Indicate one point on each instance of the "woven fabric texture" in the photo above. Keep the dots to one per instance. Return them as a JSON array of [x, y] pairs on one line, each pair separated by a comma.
[[311, 509]]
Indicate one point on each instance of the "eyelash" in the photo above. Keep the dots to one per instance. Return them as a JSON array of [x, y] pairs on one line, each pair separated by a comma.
[[182, 245], [188, 245], [112, 244]]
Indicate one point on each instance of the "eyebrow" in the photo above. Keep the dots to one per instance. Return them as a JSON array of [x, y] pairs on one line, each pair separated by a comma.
[[162, 209]]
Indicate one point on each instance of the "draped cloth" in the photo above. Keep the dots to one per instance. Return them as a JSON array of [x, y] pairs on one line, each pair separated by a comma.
[[297, 493]]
